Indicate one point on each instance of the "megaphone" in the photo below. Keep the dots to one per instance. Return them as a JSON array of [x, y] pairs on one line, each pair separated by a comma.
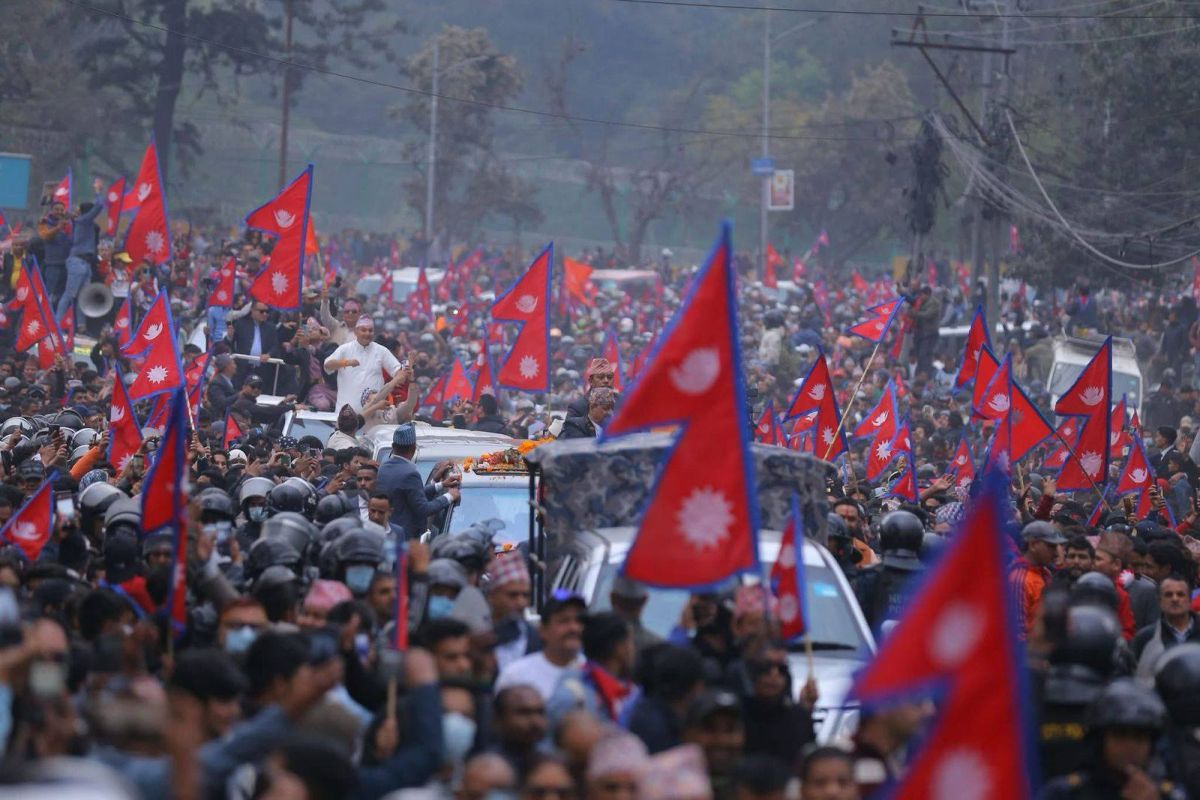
[[95, 300]]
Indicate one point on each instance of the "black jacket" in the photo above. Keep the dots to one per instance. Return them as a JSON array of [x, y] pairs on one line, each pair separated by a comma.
[[776, 729], [493, 423], [243, 337], [221, 394], [578, 428]]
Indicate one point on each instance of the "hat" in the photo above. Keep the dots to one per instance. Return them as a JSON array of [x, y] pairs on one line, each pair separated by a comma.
[[598, 366], [364, 322], [506, 568], [618, 753], [123, 257], [404, 436], [12, 382], [709, 704], [236, 455], [1042, 532], [447, 572], [471, 609], [120, 557], [676, 774], [325, 594], [629, 589], [560, 599], [254, 381]]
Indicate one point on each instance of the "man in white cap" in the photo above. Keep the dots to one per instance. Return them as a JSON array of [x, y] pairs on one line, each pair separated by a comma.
[[359, 364]]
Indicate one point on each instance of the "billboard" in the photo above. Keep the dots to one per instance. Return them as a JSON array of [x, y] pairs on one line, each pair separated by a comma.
[[782, 196], [14, 180]]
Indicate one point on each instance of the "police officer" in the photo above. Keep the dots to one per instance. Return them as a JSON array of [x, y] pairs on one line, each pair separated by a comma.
[[882, 587], [252, 501], [1177, 680], [1080, 666], [1123, 723]]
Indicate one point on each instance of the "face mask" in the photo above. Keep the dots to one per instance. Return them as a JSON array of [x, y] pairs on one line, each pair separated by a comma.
[[458, 734], [358, 578], [238, 640], [257, 513], [439, 607]]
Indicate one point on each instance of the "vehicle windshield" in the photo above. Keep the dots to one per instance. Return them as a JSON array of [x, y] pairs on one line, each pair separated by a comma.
[[1123, 383], [508, 504], [320, 428], [831, 617]]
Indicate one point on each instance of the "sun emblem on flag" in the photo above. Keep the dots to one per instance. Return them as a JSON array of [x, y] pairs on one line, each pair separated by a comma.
[[124, 462], [113, 197], [817, 392], [155, 242], [963, 774], [526, 303], [221, 295], [1091, 462], [156, 374], [878, 326], [789, 608], [827, 435], [25, 530], [33, 328], [697, 372], [883, 452], [787, 557], [279, 282], [1092, 395], [704, 518], [962, 459], [528, 367]]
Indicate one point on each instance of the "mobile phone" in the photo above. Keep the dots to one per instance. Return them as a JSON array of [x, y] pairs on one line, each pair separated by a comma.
[[322, 647], [285, 460], [64, 505]]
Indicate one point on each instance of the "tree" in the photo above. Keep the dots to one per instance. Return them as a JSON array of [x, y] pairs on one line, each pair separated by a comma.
[[214, 46], [471, 182]]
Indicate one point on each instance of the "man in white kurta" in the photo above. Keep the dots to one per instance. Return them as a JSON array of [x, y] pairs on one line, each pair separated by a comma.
[[358, 365]]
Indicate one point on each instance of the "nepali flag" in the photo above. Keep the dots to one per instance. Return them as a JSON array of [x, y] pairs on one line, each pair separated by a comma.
[[164, 504], [458, 385], [124, 431], [768, 430], [1118, 437], [884, 449], [700, 526], [1137, 475], [611, 352], [193, 379], [881, 420], [577, 282], [280, 282], [1196, 278], [148, 237], [526, 367], [222, 296], [422, 296], [858, 282], [1067, 437], [36, 320], [876, 326], [958, 635], [233, 432], [962, 465], [66, 327], [787, 579], [31, 526], [772, 261], [816, 393], [1005, 401], [1089, 398], [164, 491], [122, 325], [387, 287], [977, 340], [62, 192], [113, 201], [905, 485], [160, 370], [483, 380]]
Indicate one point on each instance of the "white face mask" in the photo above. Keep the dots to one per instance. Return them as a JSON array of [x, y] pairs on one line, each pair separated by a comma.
[[458, 735]]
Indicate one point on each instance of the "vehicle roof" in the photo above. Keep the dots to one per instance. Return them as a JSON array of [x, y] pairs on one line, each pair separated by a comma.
[[1070, 348], [502, 479], [620, 275], [441, 442]]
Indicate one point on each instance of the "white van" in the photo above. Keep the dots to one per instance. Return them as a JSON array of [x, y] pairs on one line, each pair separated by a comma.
[[1072, 354]]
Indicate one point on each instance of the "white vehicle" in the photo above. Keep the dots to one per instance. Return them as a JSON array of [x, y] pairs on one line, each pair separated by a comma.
[[842, 640], [404, 282], [436, 444], [502, 499], [1072, 354], [320, 424]]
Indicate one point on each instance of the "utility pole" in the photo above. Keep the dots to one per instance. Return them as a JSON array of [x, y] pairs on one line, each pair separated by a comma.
[[287, 95], [993, 295], [765, 199], [432, 165]]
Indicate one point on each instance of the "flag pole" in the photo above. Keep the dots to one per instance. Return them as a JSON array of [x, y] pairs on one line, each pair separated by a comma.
[[853, 397], [808, 653], [1071, 453]]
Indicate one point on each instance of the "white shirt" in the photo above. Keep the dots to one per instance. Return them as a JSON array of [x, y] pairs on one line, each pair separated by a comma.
[[535, 670], [353, 381]]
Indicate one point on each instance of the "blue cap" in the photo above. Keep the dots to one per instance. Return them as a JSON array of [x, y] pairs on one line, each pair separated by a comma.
[[404, 436]]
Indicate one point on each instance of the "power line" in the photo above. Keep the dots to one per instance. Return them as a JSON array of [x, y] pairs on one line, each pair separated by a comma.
[[1067, 226], [740, 134], [909, 14], [1096, 40]]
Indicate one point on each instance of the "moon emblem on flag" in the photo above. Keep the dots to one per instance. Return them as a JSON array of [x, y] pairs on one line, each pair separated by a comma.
[[152, 332], [955, 634], [25, 530], [999, 403], [1138, 475], [880, 418], [284, 218], [117, 414], [1091, 462], [1092, 396], [143, 191], [526, 303], [817, 392], [698, 371]]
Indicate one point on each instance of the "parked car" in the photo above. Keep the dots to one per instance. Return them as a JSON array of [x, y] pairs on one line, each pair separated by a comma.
[[841, 639], [436, 444]]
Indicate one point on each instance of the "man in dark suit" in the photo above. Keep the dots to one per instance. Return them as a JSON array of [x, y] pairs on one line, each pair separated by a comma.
[[221, 391], [255, 335], [412, 501], [601, 401]]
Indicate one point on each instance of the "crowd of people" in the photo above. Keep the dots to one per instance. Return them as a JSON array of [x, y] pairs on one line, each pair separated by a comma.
[[287, 681]]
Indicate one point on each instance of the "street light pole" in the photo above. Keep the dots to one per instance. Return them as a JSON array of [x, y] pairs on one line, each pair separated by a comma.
[[766, 142], [429, 170]]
